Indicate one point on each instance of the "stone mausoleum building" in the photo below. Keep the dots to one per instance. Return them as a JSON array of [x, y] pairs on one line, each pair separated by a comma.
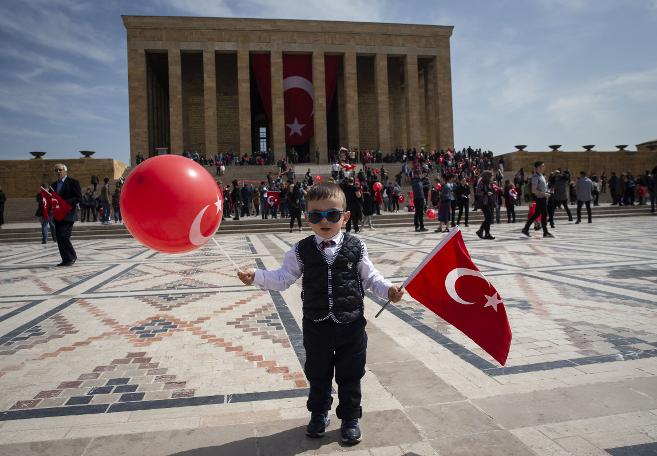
[[242, 85]]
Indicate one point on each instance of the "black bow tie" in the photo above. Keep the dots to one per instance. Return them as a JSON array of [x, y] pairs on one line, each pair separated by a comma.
[[327, 243]]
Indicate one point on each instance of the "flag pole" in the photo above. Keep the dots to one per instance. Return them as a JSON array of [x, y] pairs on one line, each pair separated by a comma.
[[435, 250]]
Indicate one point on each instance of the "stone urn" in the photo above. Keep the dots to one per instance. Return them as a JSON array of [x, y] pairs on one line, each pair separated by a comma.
[[588, 147], [37, 154], [555, 147], [87, 153], [621, 147], [521, 147]]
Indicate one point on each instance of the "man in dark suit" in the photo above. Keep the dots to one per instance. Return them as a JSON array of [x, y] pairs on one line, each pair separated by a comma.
[[69, 189]]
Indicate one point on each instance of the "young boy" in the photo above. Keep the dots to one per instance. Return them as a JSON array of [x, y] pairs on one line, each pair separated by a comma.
[[335, 271]]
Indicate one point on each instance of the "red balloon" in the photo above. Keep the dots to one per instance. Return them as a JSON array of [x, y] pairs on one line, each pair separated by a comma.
[[377, 186], [431, 214], [318, 178], [171, 203], [438, 187], [401, 198]]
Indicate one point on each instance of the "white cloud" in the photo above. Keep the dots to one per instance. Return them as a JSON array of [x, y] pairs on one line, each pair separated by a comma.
[[54, 29], [606, 99], [40, 61], [345, 10], [7, 130]]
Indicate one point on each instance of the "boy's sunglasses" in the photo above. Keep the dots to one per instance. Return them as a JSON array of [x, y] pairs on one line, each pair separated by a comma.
[[332, 215]]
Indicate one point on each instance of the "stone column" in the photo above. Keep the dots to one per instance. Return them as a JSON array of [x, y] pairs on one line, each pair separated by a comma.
[[351, 97], [244, 100], [443, 78], [412, 101], [277, 105], [319, 108], [175, 103], [210, 102], [430, 90], [138, 104], [383, 101]]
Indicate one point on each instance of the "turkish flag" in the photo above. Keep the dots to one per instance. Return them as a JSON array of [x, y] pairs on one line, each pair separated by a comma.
[[45, 203], [298, 97], [449, 284], [272, 198], [60, 208]]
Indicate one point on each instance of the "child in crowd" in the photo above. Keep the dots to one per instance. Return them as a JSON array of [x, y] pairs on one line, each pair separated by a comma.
[[335, 270]]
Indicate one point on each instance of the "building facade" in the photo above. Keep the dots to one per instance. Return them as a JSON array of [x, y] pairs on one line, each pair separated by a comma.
[[241, 85]]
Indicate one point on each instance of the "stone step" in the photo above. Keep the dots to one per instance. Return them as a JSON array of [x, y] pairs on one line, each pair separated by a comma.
[[82, 232]]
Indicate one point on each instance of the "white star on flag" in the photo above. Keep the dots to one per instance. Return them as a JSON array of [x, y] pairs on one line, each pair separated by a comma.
[[493, 301], [295, 127], [219, 204]]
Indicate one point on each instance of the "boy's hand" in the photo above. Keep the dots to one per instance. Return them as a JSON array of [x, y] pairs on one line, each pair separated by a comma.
[[246, 276], [395, 293]]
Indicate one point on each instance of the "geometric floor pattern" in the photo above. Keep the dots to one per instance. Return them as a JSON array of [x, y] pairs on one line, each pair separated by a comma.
[[130, 329]]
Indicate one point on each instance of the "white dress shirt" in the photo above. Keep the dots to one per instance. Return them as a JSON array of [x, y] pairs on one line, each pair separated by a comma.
[[290, 270]]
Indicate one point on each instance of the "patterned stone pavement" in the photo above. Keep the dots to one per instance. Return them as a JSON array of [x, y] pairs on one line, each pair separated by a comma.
[[136, 352]]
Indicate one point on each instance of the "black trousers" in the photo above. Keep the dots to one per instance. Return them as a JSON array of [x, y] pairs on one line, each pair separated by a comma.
[[452, 212], [510, 212], [419, 213], [579, 210], [335, 347], [63, 232], [541, 210], [295, 213], [488, 219], [463, 204], [564, 203], [354, 219]]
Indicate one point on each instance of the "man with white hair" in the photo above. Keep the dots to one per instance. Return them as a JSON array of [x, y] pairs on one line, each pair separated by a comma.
[[69, 189]]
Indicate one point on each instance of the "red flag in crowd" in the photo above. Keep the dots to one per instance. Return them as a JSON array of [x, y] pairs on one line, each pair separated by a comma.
[[60, 208], [449, 284], [272, 198], [45, 203]]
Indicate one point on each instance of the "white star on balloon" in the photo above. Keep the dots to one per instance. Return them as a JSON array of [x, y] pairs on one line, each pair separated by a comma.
[[295, 127], [493, 301], [219, 204]]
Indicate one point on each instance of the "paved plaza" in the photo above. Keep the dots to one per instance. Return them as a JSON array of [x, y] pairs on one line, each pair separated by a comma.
[[131, 351]]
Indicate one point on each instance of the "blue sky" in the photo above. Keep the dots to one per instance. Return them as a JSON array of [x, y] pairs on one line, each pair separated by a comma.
[[534, 72]]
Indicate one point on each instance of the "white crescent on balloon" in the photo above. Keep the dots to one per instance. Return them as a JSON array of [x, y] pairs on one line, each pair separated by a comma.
[[452, 277], [195, 235], [298, 82]]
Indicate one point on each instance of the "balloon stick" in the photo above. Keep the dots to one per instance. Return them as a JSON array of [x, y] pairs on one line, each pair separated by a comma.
[[226, 253]]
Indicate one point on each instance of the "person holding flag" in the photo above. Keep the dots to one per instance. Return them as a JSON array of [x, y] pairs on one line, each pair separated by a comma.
[[44, 214], [335, 271], [66, 194]]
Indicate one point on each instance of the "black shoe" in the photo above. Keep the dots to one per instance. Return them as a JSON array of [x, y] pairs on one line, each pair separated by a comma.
[[525, 231], [66, 263], [350, 431], [480, 234], [43, 241], [548, 235], [551, 225], [570, 219], [465, 225], [423, 229], [317, 425], [579, 221], [417, 230], [489, 236], [537, 227], [590, 221]]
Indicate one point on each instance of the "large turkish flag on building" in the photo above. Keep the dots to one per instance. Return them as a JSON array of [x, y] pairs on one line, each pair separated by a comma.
[[298, 96], [449, 284]]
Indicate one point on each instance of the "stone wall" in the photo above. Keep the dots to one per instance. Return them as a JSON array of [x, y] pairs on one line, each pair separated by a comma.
[[228, 128], [591, 162], [22, 178]]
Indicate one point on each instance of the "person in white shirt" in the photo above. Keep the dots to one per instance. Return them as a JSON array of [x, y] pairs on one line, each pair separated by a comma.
[[335, 271]]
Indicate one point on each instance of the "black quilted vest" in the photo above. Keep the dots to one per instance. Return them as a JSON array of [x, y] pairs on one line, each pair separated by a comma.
[[331, 291]]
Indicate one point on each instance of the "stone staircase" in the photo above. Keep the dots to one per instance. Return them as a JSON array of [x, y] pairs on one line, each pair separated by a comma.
[[86, 231]]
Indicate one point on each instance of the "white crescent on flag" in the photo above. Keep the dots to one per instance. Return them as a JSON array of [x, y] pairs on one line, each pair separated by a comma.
[[452, 277]]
